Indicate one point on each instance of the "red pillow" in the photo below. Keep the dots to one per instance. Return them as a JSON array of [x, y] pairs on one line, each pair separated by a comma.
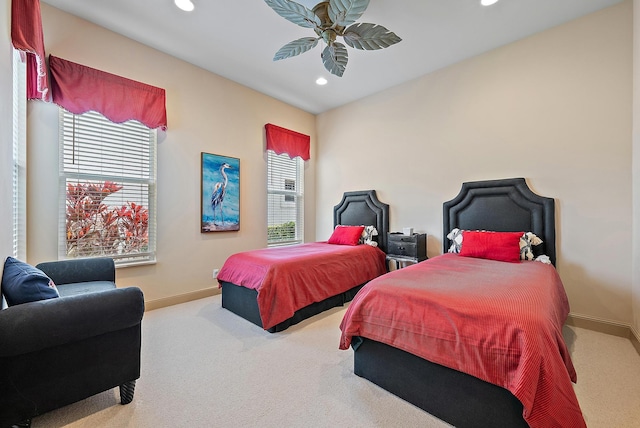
[[346, 235], [502, 246]]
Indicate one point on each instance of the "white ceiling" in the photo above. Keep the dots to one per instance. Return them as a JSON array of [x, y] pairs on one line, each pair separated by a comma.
[[238, 38]]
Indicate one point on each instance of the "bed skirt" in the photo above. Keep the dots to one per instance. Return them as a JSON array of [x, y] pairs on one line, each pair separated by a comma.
[[243, 301], [452, 396]]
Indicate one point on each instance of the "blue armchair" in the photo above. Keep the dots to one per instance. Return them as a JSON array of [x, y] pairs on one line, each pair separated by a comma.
[[58, 351]]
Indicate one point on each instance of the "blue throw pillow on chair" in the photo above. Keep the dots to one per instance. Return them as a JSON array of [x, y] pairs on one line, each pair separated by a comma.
[[23, 283]]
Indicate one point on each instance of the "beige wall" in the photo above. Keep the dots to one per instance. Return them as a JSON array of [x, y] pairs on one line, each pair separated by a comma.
[[554, 108], [636, 168], [6, 129], [205, 113]]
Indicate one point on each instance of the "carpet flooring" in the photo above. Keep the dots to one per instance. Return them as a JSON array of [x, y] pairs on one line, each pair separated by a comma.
[[203, 366]]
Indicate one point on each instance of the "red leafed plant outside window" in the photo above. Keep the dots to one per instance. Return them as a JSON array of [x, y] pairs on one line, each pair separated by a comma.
[[95, 228]]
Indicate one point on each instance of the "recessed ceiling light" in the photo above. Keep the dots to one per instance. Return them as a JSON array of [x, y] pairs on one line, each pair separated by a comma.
[[185, 5], [321, 81], [488, 2]]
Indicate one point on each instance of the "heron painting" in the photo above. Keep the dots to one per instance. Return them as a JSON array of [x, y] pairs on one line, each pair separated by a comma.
[[220, 193]]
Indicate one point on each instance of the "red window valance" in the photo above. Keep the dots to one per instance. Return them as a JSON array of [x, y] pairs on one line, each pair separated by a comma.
[[26, 36], [79, 89], [282, 140]]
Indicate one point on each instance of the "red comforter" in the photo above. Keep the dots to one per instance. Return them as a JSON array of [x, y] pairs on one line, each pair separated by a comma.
[[290, 278], [500, 322]]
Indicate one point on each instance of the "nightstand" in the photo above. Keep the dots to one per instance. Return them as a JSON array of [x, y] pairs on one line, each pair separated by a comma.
[[406, 248]]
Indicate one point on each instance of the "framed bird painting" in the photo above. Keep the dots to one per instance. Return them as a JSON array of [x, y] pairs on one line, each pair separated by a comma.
[[220, 193]]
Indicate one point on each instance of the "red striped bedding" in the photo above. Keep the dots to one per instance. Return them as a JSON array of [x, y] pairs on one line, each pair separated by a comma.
[[290, 278], [500, 322]]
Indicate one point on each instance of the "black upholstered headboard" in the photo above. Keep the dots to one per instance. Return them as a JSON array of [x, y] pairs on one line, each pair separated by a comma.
[[363, 208], [504, 206]]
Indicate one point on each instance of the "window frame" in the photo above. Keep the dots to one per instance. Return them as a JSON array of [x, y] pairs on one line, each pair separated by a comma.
[[19, 166]]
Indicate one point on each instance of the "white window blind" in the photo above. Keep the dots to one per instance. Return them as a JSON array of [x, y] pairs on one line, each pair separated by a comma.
[[108, 188], [19, 181], [285, 198]]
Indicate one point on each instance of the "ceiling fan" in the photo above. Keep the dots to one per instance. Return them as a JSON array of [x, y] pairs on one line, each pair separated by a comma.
[[330, 19]]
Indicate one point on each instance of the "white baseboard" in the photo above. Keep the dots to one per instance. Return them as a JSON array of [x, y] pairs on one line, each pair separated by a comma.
[[181, 298]]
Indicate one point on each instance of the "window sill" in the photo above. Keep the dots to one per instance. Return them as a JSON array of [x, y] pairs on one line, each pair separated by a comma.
[[283, 244], [135, 264]]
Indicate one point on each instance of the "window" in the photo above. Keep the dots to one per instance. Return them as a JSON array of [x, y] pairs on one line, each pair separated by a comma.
[[285, 194], [107, 188]]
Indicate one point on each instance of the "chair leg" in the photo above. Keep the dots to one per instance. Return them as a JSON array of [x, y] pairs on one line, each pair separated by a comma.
[[126, 392]]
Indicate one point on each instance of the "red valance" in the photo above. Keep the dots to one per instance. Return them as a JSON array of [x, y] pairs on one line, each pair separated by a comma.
[[79, 89], [27, 36], [282, 140]]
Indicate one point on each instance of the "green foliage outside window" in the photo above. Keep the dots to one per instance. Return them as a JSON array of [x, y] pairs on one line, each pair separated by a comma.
[[282, 232]]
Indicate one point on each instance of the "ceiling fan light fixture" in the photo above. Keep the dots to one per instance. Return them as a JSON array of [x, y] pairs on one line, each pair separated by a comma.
[[321, 81], [488, 2], [329, 20], [185, 5]]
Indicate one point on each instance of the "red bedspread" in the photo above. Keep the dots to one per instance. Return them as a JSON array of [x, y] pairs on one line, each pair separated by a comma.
[[290, 278], [500, 322]]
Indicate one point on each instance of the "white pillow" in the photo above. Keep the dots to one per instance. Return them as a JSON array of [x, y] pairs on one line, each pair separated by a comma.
[[526, 242], [455, 236], [367, 236], [543, 259]]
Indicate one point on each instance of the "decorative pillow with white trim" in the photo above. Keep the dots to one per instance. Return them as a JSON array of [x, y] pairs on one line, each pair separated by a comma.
[[367, 236]]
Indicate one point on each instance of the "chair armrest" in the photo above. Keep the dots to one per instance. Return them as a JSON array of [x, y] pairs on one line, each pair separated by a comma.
[[79, 270], [47, 323]]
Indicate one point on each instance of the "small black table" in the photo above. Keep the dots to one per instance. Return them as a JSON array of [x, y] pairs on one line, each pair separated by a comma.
[[406, 248]]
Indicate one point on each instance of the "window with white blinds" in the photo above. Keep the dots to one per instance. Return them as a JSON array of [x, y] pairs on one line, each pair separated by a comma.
[[285, 199], [108, 189]]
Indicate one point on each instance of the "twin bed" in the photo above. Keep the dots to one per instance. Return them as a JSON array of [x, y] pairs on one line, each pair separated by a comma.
[[278, 287], [474, 341]]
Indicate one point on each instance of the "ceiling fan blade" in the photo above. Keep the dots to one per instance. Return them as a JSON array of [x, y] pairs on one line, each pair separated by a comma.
[[334, 58], [296, 48], [294, 12], [346, 12], [369, 36]]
